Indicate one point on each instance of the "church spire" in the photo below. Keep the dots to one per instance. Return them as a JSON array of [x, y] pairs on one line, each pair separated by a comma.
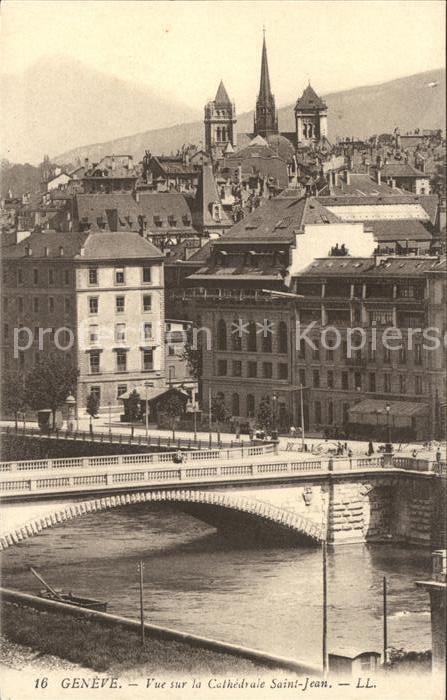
[[266, 121]]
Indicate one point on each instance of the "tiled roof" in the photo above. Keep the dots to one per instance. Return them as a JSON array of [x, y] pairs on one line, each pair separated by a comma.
[[206, 195], [403, 266], [175, 166], [113, 167], [310, 100], [401, 170], [360, 185], [166, 206], [84, 246], [91, 207], [397, 408], [278, 219], [398, 230]]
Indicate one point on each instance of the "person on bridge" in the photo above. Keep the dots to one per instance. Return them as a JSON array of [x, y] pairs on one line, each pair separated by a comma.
[[292, 431], [370, 448]]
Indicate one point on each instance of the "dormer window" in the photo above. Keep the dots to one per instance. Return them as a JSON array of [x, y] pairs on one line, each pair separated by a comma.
[[186, 220], [61, 251], [216, 211], [158, 221], [28, 250]]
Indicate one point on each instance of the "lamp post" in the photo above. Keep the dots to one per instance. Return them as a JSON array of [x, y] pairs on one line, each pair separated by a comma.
[[275, 400], [302, 415], [70, 403], [388, 428], [146, 411], [110, 417]]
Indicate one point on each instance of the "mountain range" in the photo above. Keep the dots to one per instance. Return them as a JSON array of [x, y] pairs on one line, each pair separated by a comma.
[[64, 108], [416, 101]]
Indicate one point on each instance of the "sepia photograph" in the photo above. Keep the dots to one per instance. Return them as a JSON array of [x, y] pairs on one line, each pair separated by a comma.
[[223, 350]]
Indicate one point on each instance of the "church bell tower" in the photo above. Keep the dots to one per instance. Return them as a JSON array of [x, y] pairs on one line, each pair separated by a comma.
[[266, 119]]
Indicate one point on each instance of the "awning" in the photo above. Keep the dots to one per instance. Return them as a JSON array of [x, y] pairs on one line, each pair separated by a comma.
[[152, 392], [397, 408]]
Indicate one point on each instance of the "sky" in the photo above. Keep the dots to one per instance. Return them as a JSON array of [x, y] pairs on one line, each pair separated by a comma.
[[183, 49]]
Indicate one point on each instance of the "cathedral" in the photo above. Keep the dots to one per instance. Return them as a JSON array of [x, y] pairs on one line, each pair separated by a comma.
[[222, 140]]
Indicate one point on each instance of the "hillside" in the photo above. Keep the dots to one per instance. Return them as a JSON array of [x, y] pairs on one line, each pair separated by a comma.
[[406, 102], [59, 103]]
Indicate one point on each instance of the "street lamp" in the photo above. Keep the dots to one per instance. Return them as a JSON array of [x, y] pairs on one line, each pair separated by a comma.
[[146, 412], [110, 417], [275, 399], [302, 415], [388, 446], [70, 402]]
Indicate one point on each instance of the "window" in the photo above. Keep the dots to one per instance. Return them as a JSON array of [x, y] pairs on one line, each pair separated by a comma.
[[96, 391], [21, 359], [66, 277], [171, 350], [387, 383], [402, 383], [51, 278], [387, 356], [372, 381], [147, 334], [121, 389], [93, 275], [344, 381], [317, 411], [302, 377], [171, 373], [67, 304], [93, 334], [267, 336], [5, 303], [358, 380], [344, 349], [120, 305], [330, 412], [51, 305], [371, 352], [221, 335], [5, 331], [250, 405], [20, 304], [252, 369], [148, 359], [235, 404], [236, 336], [147, 302], [283, 370], [119, 275], [316, 379], [302, 349], [147, 275], [316, 351], [120, 332], [418, 385], [237, 368], [282, 338], [35, 275], [93, 304], [330, 379], [222, 368], [402, 355], [35, 304], [121, 361], [252, 344], [418, 354], [95, 362], [329, 355], [19, 276], [267, 370]]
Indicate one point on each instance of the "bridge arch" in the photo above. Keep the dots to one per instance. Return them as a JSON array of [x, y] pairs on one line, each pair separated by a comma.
[[267, 513]]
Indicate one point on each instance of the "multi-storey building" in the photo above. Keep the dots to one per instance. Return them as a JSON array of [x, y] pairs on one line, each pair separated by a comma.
[[99, 296], [392, 302]]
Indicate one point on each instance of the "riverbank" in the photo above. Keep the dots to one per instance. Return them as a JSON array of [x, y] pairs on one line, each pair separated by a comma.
[[102, 648]]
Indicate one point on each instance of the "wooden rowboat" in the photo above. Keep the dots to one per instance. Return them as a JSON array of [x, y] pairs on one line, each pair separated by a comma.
[[59, 596]]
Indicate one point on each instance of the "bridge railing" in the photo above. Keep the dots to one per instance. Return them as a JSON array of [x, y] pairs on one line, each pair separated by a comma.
[[142, 458]]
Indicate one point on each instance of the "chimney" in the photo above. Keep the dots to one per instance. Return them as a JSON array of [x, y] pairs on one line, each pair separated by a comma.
[[130, 163], [348, 177], [379, 176], [239, 172], [113, 163], [137, 196], [86, 163]]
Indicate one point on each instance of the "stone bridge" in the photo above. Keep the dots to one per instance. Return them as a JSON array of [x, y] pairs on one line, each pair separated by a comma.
[[248, 492]]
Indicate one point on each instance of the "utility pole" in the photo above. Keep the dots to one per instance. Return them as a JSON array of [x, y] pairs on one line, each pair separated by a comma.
[[210, 411], [140, 569], [385, 622], [324, 640], [302, 415]]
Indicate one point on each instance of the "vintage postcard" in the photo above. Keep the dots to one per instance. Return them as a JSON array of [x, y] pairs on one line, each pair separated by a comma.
[[223, 350]]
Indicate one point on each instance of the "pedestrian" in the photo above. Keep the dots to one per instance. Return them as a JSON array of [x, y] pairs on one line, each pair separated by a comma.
[[178, 458], [438, 455], [349, 453], [292, 431], [414, 453], [370, 448]]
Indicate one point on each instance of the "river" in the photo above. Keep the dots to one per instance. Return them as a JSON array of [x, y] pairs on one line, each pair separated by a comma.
[[197, 582]]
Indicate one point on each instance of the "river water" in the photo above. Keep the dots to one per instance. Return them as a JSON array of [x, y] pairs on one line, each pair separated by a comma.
[[195, 581]]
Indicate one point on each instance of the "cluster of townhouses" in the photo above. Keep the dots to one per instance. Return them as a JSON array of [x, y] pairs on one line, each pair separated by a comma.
[[273, 246]]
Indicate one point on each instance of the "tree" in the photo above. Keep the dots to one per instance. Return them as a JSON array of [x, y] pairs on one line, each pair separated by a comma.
[[173, 407], [133, 407], [219, 412], [92, 407], [193, 356], [14, 394], [265, 414], [50, 382]]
